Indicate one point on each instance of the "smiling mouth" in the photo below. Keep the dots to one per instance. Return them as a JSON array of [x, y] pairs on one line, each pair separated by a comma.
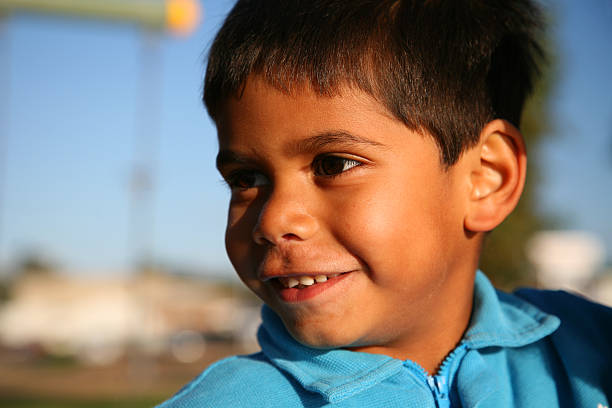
[[304, 281]]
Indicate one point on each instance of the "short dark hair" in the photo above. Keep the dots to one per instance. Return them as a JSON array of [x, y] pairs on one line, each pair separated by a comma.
[[443, 67]]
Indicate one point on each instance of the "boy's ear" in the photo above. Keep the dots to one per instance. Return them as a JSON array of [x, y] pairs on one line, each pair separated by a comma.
[[497, 176]]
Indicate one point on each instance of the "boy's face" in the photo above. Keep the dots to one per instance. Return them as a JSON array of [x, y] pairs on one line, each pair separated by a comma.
[[336, 188]]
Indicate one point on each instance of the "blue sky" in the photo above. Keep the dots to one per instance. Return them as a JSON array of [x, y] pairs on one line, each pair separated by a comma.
[[74, 100]]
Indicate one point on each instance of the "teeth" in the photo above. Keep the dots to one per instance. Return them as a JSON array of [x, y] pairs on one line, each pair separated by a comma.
[[306, 280]]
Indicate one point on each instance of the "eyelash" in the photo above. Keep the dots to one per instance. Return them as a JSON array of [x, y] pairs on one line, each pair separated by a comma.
[[319, 162], [322, 166], [237, 177]]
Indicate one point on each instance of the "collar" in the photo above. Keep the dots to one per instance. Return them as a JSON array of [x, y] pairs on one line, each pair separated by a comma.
[[504, 320], [335, 374], [498, 319]]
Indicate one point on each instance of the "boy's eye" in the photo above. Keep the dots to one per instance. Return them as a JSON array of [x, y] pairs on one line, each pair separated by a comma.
[[245, 179], [333, 165]]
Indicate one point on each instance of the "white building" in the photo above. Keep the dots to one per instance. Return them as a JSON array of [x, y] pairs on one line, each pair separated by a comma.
[[97, 319]]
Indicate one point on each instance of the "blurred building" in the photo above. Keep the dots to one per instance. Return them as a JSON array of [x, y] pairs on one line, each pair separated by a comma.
[[571, 260], [99, 320]]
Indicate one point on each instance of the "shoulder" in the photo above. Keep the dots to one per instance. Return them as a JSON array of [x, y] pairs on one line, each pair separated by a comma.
[[582, 343], [580, 317], [234, 381], [584, 338]]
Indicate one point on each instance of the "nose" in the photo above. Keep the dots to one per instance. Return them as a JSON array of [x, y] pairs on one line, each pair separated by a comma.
[[284, 217]]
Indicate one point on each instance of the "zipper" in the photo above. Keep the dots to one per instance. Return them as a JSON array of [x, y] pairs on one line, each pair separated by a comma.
[[439, 384], [439, 387]]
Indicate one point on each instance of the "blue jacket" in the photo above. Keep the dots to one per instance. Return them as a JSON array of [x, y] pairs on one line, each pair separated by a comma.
[[531, 349]]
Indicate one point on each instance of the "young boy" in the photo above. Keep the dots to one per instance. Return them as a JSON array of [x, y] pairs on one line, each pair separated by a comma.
[[369, 146]]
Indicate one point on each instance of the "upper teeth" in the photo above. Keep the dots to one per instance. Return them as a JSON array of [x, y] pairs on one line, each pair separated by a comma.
[[305, 280]]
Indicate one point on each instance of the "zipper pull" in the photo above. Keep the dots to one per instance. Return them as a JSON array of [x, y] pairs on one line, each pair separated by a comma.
[[439, 387]]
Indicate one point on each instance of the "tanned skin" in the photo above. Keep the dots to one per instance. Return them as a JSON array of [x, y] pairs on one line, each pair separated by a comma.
[[337, 185]]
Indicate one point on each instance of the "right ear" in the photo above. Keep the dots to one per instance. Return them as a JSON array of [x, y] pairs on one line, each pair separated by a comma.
[[497, 178]]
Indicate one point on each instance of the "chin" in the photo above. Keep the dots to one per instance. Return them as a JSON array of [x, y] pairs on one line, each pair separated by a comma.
[[320, 343], [329, 338]]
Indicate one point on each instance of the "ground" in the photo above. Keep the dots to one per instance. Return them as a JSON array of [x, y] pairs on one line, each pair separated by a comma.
[[131, 382]]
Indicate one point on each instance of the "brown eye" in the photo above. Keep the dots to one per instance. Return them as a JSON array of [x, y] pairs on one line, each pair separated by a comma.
[[245, 179], [333, 165]]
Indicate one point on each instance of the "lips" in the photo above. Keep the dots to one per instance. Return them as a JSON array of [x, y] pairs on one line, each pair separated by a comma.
[[299, 288], [295, 274]]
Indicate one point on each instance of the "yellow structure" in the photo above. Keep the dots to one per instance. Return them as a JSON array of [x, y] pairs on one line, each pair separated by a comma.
[[180, 17]]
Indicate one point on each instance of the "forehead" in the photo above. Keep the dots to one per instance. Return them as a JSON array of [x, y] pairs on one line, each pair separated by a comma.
[[260, 109]]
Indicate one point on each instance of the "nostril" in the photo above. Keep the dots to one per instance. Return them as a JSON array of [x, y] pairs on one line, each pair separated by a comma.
[[291, 237], [262, 240]]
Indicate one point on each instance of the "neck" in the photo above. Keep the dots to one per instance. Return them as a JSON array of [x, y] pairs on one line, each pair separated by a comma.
[[429, 345]]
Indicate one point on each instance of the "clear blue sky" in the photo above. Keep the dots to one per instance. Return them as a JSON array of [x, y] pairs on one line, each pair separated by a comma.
[[73, 102]]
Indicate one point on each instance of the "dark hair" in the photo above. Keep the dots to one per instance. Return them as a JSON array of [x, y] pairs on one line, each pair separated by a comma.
[[444, 67]]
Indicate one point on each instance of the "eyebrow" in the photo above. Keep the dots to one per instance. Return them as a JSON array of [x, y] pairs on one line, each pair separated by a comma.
[[310, 144], [324, 139]]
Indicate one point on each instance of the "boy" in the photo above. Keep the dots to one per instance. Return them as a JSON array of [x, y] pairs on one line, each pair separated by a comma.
[[369, 146]]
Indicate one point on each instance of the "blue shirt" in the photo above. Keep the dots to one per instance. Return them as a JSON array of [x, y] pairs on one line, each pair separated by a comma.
[[531, 349]]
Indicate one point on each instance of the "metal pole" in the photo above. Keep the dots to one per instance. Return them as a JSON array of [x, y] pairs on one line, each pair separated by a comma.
[[146, 151], [5, 96]]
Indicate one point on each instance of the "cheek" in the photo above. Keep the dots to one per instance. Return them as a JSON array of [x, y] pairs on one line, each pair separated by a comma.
[[241, 254], [238, 236], [375, 226], [395, 229]]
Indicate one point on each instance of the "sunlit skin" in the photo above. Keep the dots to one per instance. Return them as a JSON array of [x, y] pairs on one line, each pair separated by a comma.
[[323, 185]]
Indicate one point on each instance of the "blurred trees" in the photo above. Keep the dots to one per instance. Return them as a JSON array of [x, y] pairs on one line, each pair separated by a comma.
[[33, 263], [504, 257], [29, 263]]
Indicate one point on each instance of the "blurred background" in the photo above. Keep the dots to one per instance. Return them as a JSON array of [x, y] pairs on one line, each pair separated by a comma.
[[114, 284]]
